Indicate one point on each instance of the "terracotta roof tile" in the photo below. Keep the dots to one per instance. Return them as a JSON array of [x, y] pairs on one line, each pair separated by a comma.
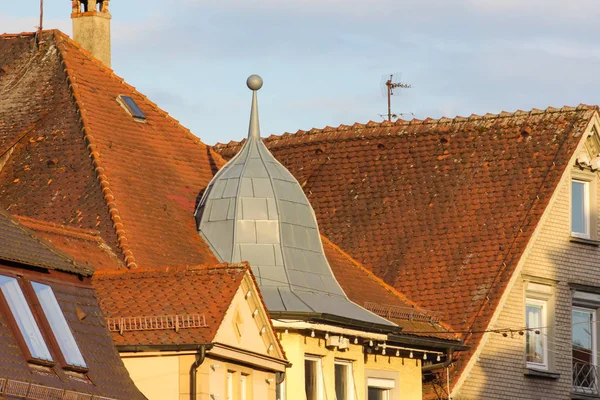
[[20, 245], [170, 291], [440, 209], [363, 287], [81, 160]]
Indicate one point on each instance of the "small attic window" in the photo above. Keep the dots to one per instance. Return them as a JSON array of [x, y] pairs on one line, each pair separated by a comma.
[[132, 108]]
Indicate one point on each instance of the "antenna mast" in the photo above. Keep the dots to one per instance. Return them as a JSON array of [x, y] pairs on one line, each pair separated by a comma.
[[391, 85], [41, 27]]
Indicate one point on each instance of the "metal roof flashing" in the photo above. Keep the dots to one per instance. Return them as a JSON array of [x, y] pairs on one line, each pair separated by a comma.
[[254, 210]]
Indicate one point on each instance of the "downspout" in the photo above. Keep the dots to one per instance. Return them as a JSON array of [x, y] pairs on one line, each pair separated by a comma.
[[445, 364], [200, 357]]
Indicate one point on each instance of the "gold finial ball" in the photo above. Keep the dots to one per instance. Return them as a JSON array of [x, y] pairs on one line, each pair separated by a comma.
[[254, 82]]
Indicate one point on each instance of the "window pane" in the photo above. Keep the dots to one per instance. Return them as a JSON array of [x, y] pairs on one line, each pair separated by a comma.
[[229, 385], [25, 321], [310, 379], [578, 207], [378, 394], [243, 387], [583, 326], [341, 381], [58, 324], [535, 342]]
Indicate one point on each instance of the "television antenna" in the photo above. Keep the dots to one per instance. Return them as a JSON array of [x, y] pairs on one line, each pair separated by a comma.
[[389, 86]]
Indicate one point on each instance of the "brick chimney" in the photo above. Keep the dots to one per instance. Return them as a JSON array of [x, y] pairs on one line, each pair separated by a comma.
[[91, 27]]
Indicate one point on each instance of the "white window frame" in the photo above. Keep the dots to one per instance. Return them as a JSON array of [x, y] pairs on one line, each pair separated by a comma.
[[586, 209], [319, 370], [23, 316], [58, 325], [542, 334], [382, 383], [349, 377]]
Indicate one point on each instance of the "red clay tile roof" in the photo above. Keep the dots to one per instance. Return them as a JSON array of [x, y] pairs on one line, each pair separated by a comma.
[[363, 287], [75, 157], [440, 209], [169, 291], [85, 246], [20, 245]]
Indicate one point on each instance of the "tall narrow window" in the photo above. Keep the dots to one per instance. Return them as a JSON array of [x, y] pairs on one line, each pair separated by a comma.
[[243, 387], [580, 209], [313, 380], [536, 344], [229, 385], [585, 378], [343, 380], [30, 332], [58, 325]]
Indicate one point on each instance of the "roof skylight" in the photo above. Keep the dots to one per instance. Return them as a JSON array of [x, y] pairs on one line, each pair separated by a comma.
[[23, 316], [58, 325], [132, 107]]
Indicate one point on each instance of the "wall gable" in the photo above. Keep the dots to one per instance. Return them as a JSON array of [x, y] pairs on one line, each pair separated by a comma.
[[247, 325]]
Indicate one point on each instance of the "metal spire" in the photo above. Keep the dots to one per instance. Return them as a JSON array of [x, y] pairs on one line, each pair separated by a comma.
[[254, 83]]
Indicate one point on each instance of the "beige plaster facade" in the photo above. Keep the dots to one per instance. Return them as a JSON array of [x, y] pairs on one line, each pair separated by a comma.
[[242, 363], [405, 373], [552, 269]]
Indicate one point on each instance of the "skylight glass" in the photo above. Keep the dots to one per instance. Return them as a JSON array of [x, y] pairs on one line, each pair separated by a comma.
[[58, 325], [25, 321], [132, 107]]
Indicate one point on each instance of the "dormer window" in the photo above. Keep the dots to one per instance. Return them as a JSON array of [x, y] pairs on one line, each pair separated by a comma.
[[25, 321], [58, 325], [132, 108]]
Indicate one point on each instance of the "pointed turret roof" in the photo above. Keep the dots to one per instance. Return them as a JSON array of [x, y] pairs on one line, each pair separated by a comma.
[[254, 210]]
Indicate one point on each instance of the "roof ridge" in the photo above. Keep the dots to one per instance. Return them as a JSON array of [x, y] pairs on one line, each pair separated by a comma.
[[416, 121], [46, 244], [45, 226], [106, 273], [107, 193], [380, 281], [111, 72]]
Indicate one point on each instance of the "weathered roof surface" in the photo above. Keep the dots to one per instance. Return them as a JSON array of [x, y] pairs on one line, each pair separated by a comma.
[[440, 209], [254, 210], [106, 370], [180, 291], [369, 291], [84, 245], [74, 157], [20, 245]]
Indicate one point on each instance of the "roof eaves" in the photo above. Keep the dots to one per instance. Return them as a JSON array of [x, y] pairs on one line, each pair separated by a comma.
[[380, 281], [77, 267]]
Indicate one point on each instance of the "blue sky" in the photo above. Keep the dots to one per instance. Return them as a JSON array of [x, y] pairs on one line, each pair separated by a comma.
[[322, 60]]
